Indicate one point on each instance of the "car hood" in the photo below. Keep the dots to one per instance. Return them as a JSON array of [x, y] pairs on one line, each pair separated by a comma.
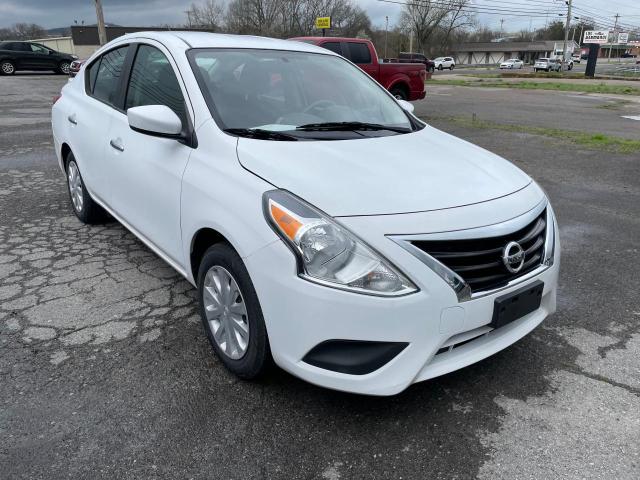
[[421, 171]]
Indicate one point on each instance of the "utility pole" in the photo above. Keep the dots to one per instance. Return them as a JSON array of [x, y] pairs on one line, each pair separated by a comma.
[[501, 23], [386, 34], [566, 34], [102, 32], [615, 27]]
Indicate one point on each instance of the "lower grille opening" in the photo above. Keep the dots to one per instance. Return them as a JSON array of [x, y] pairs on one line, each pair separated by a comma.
[[463, 338]]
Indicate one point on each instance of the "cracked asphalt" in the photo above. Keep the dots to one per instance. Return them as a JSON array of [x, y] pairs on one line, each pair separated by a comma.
[[105, 371]]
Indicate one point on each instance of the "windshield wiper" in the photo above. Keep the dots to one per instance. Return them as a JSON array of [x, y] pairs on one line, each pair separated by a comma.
[[341, 126], [260, 134]]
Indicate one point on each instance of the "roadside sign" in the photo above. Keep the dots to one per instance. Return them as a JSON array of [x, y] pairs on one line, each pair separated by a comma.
[[623, 38], [596, 36], [323, 22]]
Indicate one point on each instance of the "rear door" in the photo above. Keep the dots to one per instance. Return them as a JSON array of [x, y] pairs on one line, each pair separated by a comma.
[[359, 53], [145, 172], [90, 117], [335, 47]]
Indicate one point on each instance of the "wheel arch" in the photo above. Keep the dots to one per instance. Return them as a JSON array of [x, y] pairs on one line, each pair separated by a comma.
[[203, 239]]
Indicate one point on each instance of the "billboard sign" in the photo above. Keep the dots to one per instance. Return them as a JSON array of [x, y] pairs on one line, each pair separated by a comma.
[[623, 38], [596, 36]]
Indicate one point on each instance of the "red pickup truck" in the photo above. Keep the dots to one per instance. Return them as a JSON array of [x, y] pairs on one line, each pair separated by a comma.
[[404, 80]]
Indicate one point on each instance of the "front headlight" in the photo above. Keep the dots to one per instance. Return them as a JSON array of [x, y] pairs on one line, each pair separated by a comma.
[[327, 252]]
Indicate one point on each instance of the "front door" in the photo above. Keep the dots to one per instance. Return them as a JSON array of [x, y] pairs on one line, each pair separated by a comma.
[[42, 57], [146, 171]]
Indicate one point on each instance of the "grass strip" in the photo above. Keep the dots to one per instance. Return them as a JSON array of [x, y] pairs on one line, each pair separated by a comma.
[[589, 87], [595, 141]]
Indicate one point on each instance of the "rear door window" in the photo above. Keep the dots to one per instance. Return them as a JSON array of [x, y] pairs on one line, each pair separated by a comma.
[[359, 53], [107, 78]]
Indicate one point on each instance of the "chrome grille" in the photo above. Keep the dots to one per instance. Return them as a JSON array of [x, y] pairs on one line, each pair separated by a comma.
[[479, 261]]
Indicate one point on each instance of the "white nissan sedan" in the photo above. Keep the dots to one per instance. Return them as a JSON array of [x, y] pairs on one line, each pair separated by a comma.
[[323, 224]]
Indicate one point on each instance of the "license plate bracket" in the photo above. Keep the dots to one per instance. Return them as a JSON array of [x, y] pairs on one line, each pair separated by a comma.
[[517, 304]]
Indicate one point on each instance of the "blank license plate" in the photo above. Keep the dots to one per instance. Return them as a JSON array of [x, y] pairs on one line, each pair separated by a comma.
[[517, 304]]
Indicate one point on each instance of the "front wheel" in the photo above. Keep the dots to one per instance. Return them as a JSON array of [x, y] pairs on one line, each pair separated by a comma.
[[63, 68], [7, 67], [440, 67], [451, 67], [231, 313]]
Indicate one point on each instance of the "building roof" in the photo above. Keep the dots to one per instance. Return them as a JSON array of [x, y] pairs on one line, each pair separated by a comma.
[[533, 46]]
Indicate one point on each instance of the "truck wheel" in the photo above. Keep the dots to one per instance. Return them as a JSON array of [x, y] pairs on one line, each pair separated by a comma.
[[399, 92]]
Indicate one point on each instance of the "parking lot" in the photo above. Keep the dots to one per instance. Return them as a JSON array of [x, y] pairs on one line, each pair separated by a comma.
[[106, 372]]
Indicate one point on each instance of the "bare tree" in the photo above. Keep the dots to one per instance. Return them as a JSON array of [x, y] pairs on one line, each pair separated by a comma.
[[22, 31], [209, 15], [427, 19]]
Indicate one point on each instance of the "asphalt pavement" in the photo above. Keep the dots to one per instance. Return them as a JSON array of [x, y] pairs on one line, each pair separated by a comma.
[[105, 371]]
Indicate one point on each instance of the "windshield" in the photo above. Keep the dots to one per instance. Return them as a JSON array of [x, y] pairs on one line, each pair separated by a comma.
[[283, 91], [543, 60]]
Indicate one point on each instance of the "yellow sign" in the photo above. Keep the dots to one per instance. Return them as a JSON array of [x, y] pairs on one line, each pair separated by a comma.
[[323, 22]]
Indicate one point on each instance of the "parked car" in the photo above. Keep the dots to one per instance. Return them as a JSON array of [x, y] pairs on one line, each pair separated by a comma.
[[576, 58], [444, 62], [407, 57], [15, 56], [547, 64], [74, 68], [405, 81], [295, 193], [512, 64], [628, 55]]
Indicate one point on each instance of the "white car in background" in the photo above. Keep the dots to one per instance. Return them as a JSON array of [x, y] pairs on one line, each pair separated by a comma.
[[323, 225], [512, 63], [444, 62]]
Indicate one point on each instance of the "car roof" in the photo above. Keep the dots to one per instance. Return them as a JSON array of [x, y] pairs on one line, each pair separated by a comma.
[[189, 39]]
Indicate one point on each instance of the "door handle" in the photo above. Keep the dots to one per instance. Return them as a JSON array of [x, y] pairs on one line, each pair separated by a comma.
[[72, 119], [117, 144]]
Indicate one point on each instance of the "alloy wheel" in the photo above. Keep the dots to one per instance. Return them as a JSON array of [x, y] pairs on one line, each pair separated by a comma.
[[64, 67], [8, 68], [226, 312], [75, 186]]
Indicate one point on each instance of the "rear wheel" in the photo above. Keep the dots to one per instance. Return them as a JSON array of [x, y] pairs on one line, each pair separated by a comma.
[[7, 67], [231, 313], [399, 92], [83, 205], [451, 67], [440, 67]]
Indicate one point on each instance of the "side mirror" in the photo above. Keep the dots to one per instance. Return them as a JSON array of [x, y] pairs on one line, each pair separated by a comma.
[[155, 120], [406, 106]]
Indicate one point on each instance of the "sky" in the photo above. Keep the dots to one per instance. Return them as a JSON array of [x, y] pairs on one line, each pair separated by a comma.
[[62, 13]]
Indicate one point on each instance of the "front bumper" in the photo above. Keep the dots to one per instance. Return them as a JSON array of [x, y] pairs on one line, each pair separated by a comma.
[[432, 322]]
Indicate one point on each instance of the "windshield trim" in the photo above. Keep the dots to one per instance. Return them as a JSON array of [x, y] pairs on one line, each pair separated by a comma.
[[415, 123]]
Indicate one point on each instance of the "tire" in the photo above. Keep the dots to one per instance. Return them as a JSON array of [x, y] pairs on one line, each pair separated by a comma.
[[222, 265], [440, 67], [399, 92], [570, 67], [63, 67], [85, 208], [451, 67], [7, 67]]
